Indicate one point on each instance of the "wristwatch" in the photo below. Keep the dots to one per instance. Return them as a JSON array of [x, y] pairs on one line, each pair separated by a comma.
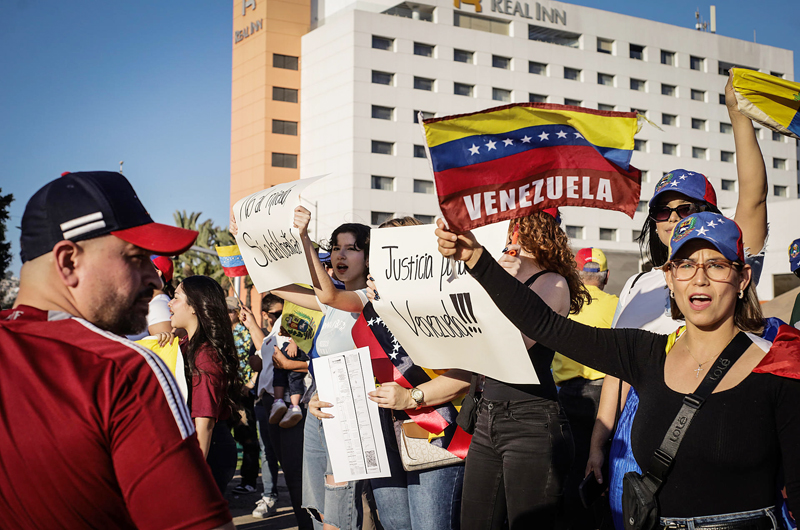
[[418, 396]]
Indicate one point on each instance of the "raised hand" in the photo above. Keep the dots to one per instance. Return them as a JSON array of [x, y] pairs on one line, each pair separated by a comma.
[[301, 219], [459, 246]]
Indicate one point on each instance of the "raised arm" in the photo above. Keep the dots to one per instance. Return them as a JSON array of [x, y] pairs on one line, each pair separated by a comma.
[[751, 208]]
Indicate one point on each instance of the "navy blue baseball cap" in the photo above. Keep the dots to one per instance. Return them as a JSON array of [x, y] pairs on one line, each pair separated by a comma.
[[85, 205], [690, 183], [723, 233], [794, 255]]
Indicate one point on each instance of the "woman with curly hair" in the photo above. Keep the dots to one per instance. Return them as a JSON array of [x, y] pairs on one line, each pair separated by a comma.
[[212, 368], [522, 447]]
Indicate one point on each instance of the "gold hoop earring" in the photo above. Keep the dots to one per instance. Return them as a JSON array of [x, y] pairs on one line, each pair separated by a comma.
[[741, 294], [672, 294]]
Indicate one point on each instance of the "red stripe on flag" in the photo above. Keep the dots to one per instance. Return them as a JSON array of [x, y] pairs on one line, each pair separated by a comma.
[[783, 358], [235, 272], [459, 445], [382, 366], [428, 419]]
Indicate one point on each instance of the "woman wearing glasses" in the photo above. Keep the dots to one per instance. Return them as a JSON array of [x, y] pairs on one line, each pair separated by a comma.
[[644, 302], [744, 438]]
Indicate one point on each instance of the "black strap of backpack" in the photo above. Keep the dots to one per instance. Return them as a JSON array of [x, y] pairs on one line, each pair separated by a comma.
[[661, 462]]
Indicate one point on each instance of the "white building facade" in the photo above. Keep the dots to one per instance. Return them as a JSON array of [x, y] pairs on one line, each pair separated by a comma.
[[368, 68]]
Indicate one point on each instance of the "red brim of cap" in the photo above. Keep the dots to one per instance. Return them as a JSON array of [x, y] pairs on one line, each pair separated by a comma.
[[159, 239]]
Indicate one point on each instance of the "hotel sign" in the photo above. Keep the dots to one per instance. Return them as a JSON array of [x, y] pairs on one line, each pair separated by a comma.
[[520, 9], [240, 35]]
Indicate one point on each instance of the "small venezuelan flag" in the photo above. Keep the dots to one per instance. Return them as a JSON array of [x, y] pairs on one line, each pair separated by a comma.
[[232, 261], [771, 101], [508, 162]]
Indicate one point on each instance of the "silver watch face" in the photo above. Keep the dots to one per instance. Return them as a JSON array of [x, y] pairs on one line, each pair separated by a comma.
[[417, 395]]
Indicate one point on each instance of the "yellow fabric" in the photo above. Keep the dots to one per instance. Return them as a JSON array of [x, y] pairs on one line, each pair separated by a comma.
[[301, 323], [601, 131], [599, 314], [169, 353], [769, 100]]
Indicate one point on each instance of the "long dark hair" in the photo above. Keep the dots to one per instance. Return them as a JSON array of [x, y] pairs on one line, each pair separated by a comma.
[[651, 247], [359, 231], [207, 298]]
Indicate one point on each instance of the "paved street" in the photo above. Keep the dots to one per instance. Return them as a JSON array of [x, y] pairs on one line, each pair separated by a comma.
[[282, 518]]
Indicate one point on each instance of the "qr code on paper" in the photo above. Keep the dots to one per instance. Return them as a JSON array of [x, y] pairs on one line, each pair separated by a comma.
[[372, 458]]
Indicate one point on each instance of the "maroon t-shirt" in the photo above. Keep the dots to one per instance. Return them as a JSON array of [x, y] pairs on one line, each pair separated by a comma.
[[208, 385], [94, 432]]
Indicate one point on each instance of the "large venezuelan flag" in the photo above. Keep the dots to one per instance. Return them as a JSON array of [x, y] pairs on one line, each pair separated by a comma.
[[232, 262], [769, 100], [507, 162]]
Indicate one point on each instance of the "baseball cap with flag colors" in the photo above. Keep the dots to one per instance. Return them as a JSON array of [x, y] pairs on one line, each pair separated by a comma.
[[718, 230], [591, 259], [690, 183]]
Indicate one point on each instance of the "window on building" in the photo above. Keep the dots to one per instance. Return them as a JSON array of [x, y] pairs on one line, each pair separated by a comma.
[[780, 191], [699, 152], [778, 163], [608, 234], [728, 185], [697, 63], [382, 43], [382, 183], [669, 119], [463, 56], [777, 137], [638, 84], [605, 45], [642, 206], [554, 36], [668, 90], [574, 232], [667, 58], [284, 160], [481, 23], [698, 95], [645, 175], [573, 74], [725, 128], [777, 74], [382, 148], [669, 149], [722, 99], [425, 50], [419, 151], [639, 145], [284, 94], [603, 106], [537, 98], [537, 68], [287, 62], [423, 186], [462, 89], [698, 124], [501, 62], [382, 113], [643, 112], [726, 156], [284, 127], [605, 79], [573, 102], [423, 83], [637, 52], [378, 218], [501, 94], [723, 67], [425, 219], [635, 235], [425, 115], [382, 78]]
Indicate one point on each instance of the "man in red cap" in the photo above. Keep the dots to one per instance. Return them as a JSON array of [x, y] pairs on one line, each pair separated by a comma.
[[95, 433]]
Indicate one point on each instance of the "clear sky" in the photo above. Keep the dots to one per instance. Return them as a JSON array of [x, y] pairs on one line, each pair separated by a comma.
[[87, 83]]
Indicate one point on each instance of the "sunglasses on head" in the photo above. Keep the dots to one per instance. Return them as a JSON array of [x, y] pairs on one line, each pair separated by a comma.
[[660, 214]]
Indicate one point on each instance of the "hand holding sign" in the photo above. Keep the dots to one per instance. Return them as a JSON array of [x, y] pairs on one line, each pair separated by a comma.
[[459, 246]]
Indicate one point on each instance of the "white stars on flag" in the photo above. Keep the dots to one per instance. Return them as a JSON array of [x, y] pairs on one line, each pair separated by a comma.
[[526, 139], [578, 135], [493, 143], [474, 149], [508, 141], [544, 136], [490, 145], [561, 134], [712, 224]]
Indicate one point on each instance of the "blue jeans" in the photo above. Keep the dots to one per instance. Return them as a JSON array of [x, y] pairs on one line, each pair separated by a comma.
[[340, 505], [418, 500], [711, 520], [269, 460]]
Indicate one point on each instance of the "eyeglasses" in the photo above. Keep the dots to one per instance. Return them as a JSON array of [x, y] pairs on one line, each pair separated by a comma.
[[275, 314], [660, 214], [717, 270]]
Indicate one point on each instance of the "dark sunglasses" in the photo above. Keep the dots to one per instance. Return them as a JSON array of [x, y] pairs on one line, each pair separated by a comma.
[[275, 314], [660, 214]]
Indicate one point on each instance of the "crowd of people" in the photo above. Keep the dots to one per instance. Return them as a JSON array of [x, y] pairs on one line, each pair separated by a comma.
[[99, 420]]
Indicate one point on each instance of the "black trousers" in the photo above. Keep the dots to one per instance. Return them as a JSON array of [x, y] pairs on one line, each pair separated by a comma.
[[517, 466], [247, 436], [222, 455]]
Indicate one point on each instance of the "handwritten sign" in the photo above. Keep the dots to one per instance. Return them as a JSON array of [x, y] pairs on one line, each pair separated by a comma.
[[270, 246], [444, 322]]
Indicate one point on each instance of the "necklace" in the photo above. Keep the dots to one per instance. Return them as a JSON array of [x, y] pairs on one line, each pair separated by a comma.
[[699, 364]]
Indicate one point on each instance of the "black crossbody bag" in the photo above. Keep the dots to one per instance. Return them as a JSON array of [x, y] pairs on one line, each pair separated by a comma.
[[640, 493]]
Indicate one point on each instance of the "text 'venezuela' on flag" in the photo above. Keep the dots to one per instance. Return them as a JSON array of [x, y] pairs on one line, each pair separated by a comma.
[[771, 101], [231, 260], [507, 162]]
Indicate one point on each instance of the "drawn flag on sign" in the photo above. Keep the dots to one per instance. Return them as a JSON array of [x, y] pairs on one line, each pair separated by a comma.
[[507, 162], [231, 260], [771, 101]]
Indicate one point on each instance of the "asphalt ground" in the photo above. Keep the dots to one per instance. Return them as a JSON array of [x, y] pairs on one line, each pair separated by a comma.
[[281, 516]]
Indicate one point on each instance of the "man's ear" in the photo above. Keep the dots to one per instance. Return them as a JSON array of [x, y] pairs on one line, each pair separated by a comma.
[[66, 257]]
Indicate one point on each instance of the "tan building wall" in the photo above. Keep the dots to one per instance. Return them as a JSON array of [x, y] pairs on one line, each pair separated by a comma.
[[266, 28]]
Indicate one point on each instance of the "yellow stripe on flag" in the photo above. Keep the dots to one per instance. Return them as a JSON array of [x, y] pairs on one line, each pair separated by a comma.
[[227, 251], [770, 100]]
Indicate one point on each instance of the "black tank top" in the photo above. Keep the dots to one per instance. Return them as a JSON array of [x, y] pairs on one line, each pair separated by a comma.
[[541, 358]]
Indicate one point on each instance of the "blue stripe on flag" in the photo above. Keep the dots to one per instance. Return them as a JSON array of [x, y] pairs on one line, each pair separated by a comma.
[[231, 261]]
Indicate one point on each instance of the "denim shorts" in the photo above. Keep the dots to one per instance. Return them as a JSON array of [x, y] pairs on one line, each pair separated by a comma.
[[690, 523]]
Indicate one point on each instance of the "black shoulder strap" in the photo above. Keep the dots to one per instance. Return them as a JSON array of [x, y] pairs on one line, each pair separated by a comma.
[[533, 278], [636, 279], [661, 462]]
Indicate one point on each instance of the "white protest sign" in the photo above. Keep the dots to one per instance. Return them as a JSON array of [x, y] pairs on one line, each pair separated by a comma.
[[444, 323], [270, 246]]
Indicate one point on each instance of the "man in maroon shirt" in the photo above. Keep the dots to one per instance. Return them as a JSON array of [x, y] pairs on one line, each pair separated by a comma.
[[94, 431]]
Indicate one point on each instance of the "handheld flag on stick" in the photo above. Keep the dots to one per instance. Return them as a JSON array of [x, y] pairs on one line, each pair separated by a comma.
[[232, 261], [508, 162], [771, 101]]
